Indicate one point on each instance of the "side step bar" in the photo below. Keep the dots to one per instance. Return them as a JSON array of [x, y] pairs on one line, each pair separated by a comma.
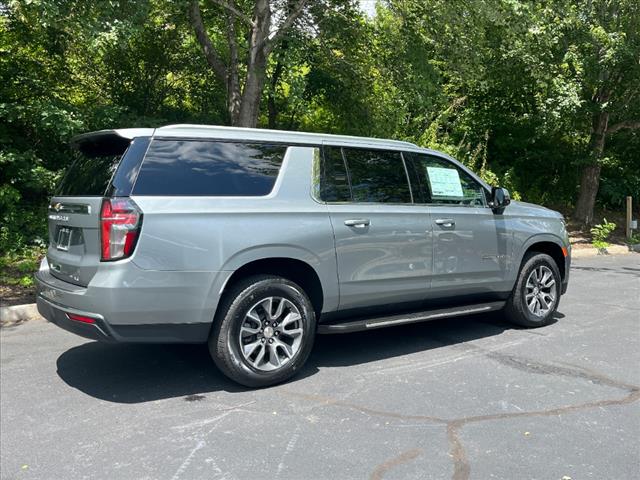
[[405, 318]]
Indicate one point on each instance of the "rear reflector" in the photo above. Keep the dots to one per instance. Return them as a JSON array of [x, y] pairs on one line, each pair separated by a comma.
[[120, 222], [81, 318]]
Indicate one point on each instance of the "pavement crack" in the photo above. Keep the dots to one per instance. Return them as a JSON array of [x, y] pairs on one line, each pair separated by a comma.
[[404, 457], [461, 465]]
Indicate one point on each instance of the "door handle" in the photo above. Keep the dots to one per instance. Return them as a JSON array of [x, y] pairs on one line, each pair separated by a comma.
[[446, 222], [357, 222]]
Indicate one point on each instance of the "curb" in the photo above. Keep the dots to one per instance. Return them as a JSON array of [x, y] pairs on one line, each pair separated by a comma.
[[18, 313], [594, 252]]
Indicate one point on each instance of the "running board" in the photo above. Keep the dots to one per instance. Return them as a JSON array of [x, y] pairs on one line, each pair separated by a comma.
[[405, 318]]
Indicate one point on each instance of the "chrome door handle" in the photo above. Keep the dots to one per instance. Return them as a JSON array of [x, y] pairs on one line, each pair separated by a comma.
[[357, 222], [446, 222]]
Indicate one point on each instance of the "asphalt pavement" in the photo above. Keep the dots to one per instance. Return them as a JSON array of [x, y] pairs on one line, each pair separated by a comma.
[[454, 399]]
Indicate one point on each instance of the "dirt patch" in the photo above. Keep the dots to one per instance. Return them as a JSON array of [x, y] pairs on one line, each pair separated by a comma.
[[16, 295]]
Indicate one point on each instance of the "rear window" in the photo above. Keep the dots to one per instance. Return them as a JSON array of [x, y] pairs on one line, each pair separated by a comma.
[[88, 176], [103, 165], [208, 168]]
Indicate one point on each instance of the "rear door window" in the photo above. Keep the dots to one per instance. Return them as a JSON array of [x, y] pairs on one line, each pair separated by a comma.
[[334, 184], [209, 168], [377, 176]]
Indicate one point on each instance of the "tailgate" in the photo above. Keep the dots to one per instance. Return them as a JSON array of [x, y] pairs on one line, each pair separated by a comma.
[[105, 165], [74, 238]]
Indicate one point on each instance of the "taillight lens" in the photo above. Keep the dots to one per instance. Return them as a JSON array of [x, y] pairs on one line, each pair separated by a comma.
[[120, 222]]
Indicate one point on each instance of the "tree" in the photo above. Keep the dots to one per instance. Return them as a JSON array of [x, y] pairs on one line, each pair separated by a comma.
[[605, 34], [245, 78]]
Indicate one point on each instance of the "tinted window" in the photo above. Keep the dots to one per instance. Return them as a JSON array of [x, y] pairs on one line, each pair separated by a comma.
[[88, 176], [186, 167], [446, 183], [418, 188], [125, 177], [334, 183], [377, 176]]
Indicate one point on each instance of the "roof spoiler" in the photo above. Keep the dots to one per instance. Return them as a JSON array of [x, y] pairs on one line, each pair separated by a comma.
[[108, 142]]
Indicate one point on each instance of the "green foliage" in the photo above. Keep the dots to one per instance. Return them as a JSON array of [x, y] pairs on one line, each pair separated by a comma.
[[600, 233], [634, 240], [509, 87], [18, 267]]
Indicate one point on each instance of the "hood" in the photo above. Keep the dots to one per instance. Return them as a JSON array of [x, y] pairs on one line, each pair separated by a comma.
[[531, 209]]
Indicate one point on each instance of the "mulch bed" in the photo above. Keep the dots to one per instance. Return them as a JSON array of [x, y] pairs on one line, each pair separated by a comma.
[[16, 295]]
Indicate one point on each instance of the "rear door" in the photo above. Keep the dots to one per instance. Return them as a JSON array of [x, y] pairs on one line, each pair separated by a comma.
[[383, 243], [471, 245], [105, 165]]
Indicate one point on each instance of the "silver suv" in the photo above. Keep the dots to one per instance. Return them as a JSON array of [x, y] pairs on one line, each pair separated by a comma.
[[256, 240]]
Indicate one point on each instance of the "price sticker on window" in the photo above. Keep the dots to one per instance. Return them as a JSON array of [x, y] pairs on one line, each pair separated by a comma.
[[445, 182]]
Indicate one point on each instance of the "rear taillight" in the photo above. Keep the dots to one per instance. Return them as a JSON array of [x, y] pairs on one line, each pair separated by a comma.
[[120, 222]]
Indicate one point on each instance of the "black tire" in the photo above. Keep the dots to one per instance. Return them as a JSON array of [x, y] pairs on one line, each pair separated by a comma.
[[516, 309], [224, 343]]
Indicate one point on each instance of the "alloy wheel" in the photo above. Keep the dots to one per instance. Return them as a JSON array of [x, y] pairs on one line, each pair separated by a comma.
[[271, 333], [540, 295]]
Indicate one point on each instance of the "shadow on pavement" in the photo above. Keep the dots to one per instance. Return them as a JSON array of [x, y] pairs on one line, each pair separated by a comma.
[[134, 373]]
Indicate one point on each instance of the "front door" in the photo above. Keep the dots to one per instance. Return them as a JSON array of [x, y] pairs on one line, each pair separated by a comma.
[[471, 246]]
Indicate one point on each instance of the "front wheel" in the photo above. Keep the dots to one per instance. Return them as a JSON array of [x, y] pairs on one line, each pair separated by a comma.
[[536, 294], [263, 332]]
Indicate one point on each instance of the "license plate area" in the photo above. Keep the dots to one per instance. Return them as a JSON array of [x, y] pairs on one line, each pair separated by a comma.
[[64, 239]]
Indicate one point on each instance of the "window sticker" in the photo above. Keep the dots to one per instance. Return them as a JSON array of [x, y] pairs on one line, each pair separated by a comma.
[[445, 182]]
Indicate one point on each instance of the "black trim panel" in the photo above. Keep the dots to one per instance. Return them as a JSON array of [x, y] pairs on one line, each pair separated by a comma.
[[105, 332]]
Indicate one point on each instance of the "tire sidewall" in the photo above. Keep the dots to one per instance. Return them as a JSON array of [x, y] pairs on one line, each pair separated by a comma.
[[235, 317], [533, 263]]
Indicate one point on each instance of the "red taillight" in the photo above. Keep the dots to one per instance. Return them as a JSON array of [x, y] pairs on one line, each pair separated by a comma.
[[120, 221], [81, 318]]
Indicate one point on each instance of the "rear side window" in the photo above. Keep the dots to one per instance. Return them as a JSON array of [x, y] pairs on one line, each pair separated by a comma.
[[377, 176], [208, 168]]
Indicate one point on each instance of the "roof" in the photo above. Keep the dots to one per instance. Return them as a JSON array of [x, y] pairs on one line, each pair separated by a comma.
[[257, 134], [234, 133], [115, 141]]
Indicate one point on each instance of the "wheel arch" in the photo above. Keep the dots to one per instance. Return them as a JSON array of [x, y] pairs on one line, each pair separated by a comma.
[[550, 245], [293, 269]]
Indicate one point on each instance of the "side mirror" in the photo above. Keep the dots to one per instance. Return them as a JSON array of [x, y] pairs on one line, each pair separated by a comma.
[[500, 198]]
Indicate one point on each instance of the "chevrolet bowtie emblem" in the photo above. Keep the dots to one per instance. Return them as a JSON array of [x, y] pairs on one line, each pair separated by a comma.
[[57, 206]]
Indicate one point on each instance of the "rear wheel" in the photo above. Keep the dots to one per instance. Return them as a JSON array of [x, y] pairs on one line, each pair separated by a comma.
[[263, 332], [536, 294]]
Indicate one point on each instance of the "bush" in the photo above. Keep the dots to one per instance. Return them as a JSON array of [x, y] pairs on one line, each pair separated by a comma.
[[601, 232]]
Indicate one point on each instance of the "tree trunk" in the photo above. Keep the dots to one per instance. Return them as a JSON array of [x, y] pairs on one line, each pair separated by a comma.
[[243, 103], [273, 85], [589, 183], [256, 67], [590, 178], [251, 96], [233, 79]]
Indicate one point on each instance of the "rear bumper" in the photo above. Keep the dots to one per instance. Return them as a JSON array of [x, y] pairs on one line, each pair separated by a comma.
[[131, 305], [57, 314]]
